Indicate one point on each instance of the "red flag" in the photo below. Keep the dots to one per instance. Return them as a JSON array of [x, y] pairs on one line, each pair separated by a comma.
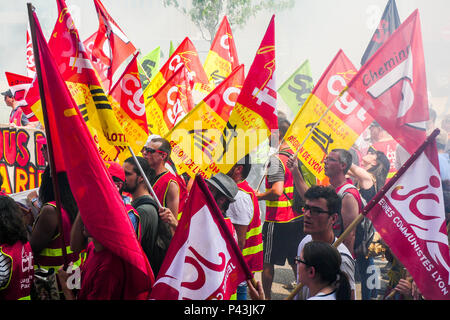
[[128, 92], [99, 66], [20, 86], [110, 35], [409, 214], [223, 44], [259, 92], [31, 67], [101, 207], [171, 103], [203, 261], [392, 85]]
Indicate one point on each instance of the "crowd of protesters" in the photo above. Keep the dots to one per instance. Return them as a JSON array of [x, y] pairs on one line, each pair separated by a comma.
[[300, 224]]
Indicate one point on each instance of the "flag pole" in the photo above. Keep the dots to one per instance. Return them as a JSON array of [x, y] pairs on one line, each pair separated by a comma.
[[47, 132], [149, 186], [376, 199]]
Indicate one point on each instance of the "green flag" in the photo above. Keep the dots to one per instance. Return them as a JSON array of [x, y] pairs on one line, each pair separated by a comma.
[[149, 66], [172, 49], [297, 88]]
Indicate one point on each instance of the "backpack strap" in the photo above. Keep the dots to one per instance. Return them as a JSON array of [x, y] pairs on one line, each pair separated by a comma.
[[146, 200]]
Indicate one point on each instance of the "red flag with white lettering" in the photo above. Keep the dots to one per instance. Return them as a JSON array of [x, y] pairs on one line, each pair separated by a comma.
[[101, 206], [31, 67], [110, 36], [20, 86], [203, 261], [99, 66], [409, 215], [392, 85]]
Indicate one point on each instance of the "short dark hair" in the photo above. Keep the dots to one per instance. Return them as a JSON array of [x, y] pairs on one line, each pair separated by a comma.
[[148, 171], [334, 202], [12, 228], [283, 127], [165, 146], [345, 157]]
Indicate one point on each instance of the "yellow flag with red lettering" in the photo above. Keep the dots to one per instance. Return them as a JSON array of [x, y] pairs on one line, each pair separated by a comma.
[[339, 128], [194, 139]]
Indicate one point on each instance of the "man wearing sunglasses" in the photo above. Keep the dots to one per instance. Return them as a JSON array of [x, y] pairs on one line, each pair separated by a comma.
[[321, 212], [165, 184]]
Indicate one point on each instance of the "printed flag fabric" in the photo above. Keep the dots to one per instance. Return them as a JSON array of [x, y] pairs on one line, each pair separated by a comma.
[[410, 217], [222, 58], [185, 54], [101, 207], [100, 67], [81, 79], [254, 116], [390, 21], [203, 261], [149, 66], [20, 86], [127, 103], [392, 85], [339, 128], [295, 90], [170, 104], [31, 67], [196, 138], [111, 45]]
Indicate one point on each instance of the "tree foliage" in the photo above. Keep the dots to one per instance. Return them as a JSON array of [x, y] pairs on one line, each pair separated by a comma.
[[207, 14]]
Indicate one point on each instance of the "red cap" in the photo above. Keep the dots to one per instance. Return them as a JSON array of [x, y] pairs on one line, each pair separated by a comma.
[[115, 170]]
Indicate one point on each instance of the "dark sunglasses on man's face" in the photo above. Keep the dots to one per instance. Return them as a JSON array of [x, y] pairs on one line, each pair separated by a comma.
[[151, 151]]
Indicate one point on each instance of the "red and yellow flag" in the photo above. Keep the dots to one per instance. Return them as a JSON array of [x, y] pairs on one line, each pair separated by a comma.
[[128, 105], [186, 54], [196, 138], [170, 104], [81, 79], [120, 47], [101, 206], [222, 58], [339, 128], [255, 115]]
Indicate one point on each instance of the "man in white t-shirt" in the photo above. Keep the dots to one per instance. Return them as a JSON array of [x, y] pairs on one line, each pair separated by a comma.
[[321, 211]]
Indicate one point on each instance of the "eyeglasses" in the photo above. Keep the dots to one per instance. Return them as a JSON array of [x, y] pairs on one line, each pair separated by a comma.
[[299, 260], [151, 151], [315, 211]]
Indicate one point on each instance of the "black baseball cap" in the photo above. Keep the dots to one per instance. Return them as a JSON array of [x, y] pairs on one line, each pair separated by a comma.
[[8, 93]]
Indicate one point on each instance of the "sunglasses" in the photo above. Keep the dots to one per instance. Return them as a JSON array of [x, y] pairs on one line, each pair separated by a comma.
[[151, 151], [315, 211]]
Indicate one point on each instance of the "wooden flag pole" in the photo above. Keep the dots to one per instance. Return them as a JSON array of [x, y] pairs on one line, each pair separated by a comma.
[[51, 157]]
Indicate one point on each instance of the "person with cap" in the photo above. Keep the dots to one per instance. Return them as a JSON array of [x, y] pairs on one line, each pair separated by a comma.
[[118, 175], [224, 190], [16, 117], [245, 215], [168, 186]]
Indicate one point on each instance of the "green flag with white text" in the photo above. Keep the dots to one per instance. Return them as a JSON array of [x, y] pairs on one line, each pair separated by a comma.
[[149, 66], [297, 88]]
